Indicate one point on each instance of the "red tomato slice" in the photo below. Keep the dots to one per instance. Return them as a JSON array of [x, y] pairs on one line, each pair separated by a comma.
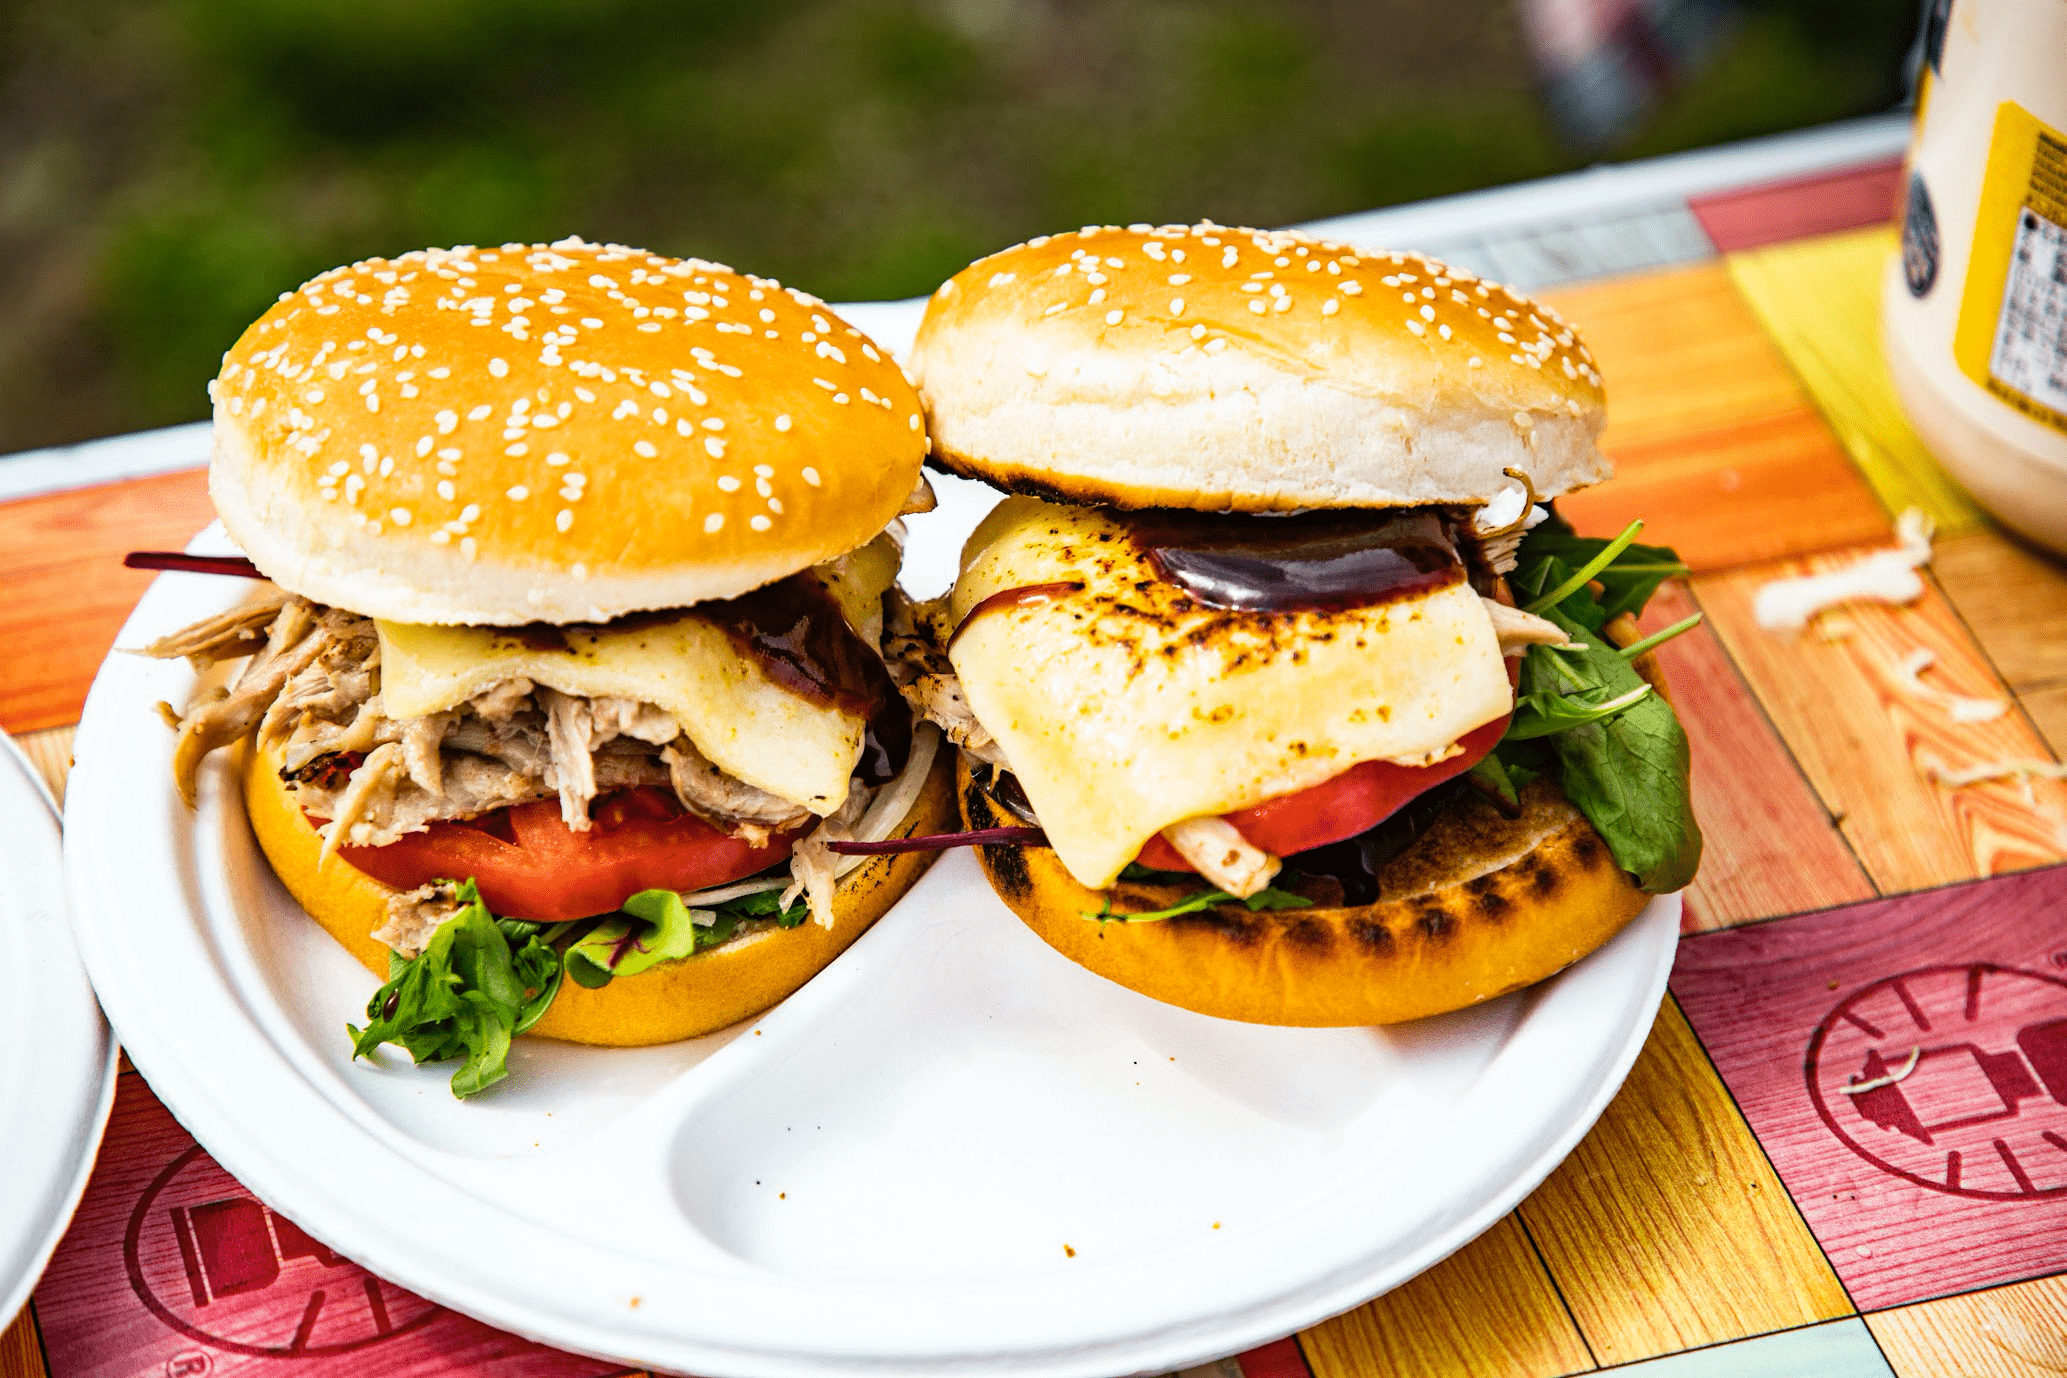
[[1359, 798], [531, 865]]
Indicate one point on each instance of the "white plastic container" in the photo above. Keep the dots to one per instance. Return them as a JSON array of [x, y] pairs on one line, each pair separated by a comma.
[[1975, 308]]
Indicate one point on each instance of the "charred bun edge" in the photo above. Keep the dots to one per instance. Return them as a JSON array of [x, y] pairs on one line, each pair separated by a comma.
[[673, 1001], [1518, 900]]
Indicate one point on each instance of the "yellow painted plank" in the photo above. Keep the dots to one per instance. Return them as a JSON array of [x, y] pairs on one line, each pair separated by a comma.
[[2005, 1332], [1667, 1228], [1863, 740], [2014, 599], [1488, 1309], [1820, 301], [21, 1354], [50, 751]]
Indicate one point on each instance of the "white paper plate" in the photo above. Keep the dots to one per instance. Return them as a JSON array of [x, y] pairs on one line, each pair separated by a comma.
[[57, 1060], [954, 1152]]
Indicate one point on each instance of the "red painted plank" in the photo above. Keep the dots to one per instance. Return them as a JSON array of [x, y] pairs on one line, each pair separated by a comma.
[[1279, 1359], [1823, 203], [1954, 1177], [172, 1267], [1770, 846]]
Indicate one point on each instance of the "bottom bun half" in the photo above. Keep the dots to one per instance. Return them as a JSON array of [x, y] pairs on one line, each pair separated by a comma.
[[672, 1001], [1479, 906]]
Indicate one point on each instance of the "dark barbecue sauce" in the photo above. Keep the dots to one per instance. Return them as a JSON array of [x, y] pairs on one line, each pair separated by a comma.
[[1320, 561], [1012, 598]]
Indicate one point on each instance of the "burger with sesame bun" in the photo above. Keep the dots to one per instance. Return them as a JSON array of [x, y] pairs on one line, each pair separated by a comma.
[[1278, 694], [568, 664]]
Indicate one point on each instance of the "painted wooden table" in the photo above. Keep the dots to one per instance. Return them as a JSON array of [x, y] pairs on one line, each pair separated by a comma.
[[1735, 1212]]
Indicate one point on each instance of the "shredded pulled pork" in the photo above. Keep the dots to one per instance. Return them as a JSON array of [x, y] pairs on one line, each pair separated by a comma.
[[814, 866], [312, 687], [413, 917], [914, 650]]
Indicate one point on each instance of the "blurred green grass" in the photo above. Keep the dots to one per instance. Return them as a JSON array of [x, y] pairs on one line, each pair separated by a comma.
[[167, 167]]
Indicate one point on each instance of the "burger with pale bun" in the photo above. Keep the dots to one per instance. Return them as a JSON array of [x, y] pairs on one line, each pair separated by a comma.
[[566, 664], [1281, 694]]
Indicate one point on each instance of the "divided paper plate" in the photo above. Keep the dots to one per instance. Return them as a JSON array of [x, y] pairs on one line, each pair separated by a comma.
[[57, 1060], [953, 1152]]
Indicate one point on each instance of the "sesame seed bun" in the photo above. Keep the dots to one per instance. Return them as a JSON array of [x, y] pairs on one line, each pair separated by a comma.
[[670, 1001], [1243, 370], [557, 433]]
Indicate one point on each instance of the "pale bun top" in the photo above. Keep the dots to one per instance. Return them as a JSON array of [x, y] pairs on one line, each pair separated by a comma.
[[554, 433], [1226, 369]]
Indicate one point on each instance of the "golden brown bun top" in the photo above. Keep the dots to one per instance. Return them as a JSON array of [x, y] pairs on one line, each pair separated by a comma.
[[1217, 368], [553, 433]]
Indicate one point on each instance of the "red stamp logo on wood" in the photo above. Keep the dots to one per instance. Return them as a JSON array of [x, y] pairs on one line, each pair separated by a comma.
[[224, 1270], [1951, 1077]]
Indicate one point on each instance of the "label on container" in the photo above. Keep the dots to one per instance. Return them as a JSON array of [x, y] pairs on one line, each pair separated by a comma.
[[2012, 335]]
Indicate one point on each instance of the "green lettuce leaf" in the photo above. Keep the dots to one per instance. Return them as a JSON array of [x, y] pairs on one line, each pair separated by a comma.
[[478, 983]]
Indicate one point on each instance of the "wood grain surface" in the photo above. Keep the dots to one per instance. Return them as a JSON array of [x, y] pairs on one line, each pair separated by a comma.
[[21, 1352], [1864, 743], [1667, 1228], [1490, 1308], [1715, 444], [1769, 846], [1954, 1177], [50, 751], [1819, 299], [63, 591], [2014, 600], [2004, 1332]]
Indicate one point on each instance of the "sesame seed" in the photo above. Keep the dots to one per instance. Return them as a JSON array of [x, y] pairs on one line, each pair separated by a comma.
[[782, 422], [1428, 313], [841, 398], [1198, 332], [759, 522], [1330, 307], [481, 413], [1256, 305], [1115, 317], [727, 484], [1281, 304], [1177, 306], [811, 476], [1477, 362], [644, 449], [498, 368], [564, 521], [713, 523], [714, 447], [517, 492], [1417, 327], [1351, 288], [400, 516], [446, 490], [467, 547], [558, 458]]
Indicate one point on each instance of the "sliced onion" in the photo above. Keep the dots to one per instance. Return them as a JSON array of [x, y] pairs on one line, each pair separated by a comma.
[[894, 800]]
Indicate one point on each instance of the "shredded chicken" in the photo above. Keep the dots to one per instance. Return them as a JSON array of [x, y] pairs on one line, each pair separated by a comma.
[[814, 866], [913, 650], [238, 632], [1520, 630], [754, 815], [921, 499], [312, 688], [1217, 850], [413, 917]]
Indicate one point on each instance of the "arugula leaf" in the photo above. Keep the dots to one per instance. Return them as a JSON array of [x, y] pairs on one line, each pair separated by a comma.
[[1626, 770], [465, 996], [1270, 897], [1627, 582]]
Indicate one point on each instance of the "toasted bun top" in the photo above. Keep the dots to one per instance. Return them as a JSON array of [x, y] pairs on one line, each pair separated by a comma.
[[553, 433], [1225, 369]]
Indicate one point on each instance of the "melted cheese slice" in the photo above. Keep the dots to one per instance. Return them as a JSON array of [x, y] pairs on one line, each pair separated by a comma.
[[1125, 708], [749, 726]]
